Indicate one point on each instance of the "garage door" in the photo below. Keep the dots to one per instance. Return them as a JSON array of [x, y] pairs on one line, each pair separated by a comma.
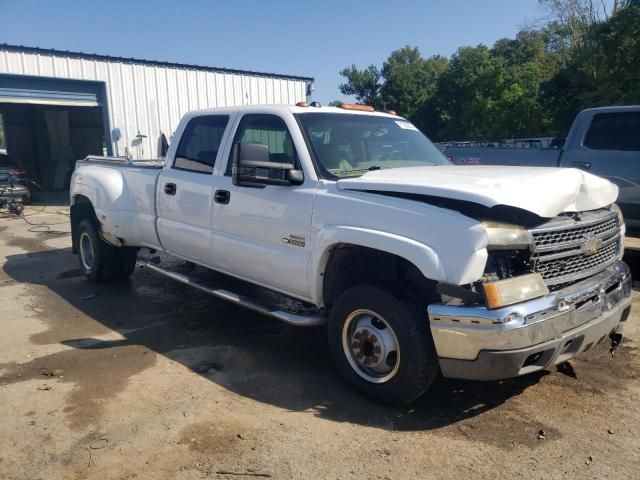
[[50, 91]]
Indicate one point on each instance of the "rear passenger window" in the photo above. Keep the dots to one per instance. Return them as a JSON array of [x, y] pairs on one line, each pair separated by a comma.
[[614, 131], [199, 144]]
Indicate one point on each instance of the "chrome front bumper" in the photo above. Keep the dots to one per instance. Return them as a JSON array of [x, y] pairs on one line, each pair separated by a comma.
[[481, 344]]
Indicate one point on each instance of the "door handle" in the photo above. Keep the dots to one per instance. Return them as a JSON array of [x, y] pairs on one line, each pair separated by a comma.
[[222, 196], [170, 188], [582, 165]]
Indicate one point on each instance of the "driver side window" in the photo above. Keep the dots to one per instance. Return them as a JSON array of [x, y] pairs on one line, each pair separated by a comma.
[[269, 130]]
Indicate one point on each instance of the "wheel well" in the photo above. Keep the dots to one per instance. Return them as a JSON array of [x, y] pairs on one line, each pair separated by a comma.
[[351, 265], [82, 209]]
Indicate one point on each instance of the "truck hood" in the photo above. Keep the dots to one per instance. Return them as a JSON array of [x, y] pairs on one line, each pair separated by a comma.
[[544, 191]]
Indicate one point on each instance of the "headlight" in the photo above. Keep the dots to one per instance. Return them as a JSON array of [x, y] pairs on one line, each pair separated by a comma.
[[506, 236], [513, 290]]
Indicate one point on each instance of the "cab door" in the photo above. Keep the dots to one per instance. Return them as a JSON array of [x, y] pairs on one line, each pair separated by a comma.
[[262, 233], [185, 190]]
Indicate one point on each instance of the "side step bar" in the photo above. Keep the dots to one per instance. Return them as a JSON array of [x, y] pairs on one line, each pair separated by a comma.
[[290, 318]]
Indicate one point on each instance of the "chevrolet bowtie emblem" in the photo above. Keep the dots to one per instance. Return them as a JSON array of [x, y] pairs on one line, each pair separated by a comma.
[[591, 246]]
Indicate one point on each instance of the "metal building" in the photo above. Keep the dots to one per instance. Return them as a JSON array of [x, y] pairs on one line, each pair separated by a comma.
[[57, 106]]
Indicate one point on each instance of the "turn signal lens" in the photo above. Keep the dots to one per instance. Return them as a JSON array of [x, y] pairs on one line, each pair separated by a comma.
[[514, 290]]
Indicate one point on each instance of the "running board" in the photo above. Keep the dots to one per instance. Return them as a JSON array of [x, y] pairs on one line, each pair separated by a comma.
[[290, 318]]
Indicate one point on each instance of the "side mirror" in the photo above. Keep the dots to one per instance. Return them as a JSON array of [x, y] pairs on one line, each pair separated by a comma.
[[252, 165], [295, 177]]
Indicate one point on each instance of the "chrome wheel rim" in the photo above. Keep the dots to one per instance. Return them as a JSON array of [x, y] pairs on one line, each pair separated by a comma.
[[86, 251], [371, 346]]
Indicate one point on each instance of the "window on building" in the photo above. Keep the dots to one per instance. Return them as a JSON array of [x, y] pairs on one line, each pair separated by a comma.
[[614, 131], [200, 143]]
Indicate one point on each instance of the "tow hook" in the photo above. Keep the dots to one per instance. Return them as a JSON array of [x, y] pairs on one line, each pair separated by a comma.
[[616, 340]]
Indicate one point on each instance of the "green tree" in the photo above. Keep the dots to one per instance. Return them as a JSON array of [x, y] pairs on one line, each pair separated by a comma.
[[531, 85], [525, 63], [410, 80], [575, 17], [365, 85], [603, 70], [466, 95]]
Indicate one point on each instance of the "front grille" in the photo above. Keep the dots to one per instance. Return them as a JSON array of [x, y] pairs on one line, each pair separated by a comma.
[[576, 233], [567, 250], [576, 265]]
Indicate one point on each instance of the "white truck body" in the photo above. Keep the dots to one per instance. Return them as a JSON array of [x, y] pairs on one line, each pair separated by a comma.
[[282, 236]]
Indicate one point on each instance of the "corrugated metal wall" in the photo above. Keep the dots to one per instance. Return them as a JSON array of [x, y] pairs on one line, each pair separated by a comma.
[[150, 99]]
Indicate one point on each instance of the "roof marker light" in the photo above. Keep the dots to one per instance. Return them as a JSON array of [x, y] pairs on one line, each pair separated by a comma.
[[354, 106]]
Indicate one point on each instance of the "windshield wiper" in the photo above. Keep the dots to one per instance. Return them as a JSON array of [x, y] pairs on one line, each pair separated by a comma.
[[360, 170]]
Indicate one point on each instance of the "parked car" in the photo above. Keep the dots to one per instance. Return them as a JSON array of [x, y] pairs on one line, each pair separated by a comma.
[[13, 180], [604, 141], [355, 218]]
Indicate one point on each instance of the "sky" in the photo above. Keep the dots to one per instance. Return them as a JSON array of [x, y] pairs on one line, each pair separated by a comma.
[[296, 37]]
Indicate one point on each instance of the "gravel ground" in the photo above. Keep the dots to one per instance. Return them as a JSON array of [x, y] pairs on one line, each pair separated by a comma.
[[147, 379]]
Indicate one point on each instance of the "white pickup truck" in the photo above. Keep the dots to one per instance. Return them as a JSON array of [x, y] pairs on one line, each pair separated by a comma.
[[354, 218]]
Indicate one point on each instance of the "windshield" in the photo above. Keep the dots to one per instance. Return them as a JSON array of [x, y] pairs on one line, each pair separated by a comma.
[[350, 145]]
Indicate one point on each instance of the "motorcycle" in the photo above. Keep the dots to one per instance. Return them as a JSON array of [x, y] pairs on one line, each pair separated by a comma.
[[10, 197]]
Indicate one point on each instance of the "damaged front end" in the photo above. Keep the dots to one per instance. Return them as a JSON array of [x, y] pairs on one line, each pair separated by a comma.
[[560, 251], [548, 292]]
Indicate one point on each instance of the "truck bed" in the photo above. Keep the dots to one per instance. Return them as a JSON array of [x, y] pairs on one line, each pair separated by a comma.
[[125, 193], [123, 162]]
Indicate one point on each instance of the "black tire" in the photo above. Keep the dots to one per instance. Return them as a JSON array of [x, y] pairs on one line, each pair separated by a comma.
[[126, 258], [16, 208], [97, 257], [416, 358]]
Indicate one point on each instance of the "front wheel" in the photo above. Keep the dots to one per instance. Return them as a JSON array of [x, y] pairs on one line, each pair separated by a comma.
[[382, 344]]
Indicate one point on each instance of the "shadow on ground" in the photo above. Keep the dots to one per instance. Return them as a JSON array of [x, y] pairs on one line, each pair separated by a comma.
[[632, 258], [242, 351]]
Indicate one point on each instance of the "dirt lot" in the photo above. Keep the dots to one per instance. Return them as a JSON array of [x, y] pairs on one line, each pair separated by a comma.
[[149, 380]]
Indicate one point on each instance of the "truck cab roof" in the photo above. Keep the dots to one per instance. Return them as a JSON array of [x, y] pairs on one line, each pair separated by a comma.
[[611, 109], [280, 109]]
